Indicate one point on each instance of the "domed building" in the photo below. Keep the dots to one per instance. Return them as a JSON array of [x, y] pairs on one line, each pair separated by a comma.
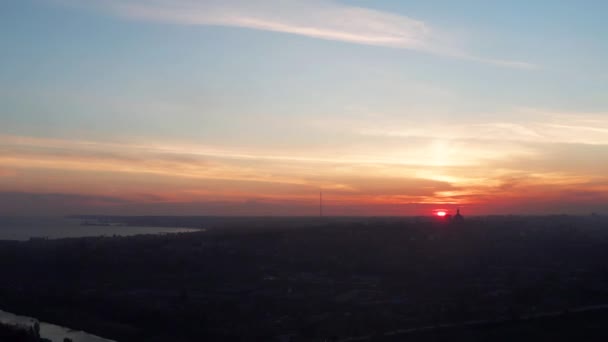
[[458, 218]]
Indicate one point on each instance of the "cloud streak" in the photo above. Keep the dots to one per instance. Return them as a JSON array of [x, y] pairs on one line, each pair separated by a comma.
[[321, 19], [524, 125], [143, 176]]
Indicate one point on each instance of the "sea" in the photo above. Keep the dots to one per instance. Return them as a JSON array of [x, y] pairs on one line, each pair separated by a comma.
[[25, 228]]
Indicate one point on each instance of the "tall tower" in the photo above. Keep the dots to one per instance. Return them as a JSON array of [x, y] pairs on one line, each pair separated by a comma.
[[320, 203]]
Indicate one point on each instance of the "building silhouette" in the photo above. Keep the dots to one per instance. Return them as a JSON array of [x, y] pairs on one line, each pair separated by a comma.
[[458, 218]]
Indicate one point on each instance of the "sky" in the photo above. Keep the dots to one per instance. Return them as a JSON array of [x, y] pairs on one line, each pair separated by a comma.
[[252, 107]]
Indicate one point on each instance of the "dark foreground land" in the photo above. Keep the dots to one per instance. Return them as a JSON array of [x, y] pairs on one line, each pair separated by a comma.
[[492, 278]]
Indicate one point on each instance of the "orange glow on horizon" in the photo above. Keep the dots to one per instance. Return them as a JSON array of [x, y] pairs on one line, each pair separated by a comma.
[[117, 178]]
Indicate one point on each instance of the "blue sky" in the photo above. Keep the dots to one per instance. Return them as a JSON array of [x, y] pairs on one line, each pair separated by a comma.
[[386, 88]]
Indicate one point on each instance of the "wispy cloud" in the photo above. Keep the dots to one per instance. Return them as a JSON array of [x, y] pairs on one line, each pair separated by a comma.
[[322, 19], [528, 125]]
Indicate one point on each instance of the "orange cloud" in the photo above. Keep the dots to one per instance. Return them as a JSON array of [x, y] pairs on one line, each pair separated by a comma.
[[172, 176]]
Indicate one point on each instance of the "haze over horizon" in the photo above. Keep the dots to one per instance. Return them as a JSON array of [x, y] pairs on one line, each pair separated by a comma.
[[251, 107]]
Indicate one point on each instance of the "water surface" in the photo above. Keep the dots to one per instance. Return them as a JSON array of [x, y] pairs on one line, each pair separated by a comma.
[[52, 332], [24, 228]]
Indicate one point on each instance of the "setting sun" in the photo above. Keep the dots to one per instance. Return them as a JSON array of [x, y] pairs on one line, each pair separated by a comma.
[[441, 213]]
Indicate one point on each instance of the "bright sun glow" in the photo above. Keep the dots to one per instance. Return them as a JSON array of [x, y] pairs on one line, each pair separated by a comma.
[[441, 213]]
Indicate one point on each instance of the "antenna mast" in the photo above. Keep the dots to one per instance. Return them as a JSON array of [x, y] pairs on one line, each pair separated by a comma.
[[320, 203]]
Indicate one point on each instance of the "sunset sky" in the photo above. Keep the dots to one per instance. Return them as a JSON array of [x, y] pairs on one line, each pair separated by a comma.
[[250, 107]]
